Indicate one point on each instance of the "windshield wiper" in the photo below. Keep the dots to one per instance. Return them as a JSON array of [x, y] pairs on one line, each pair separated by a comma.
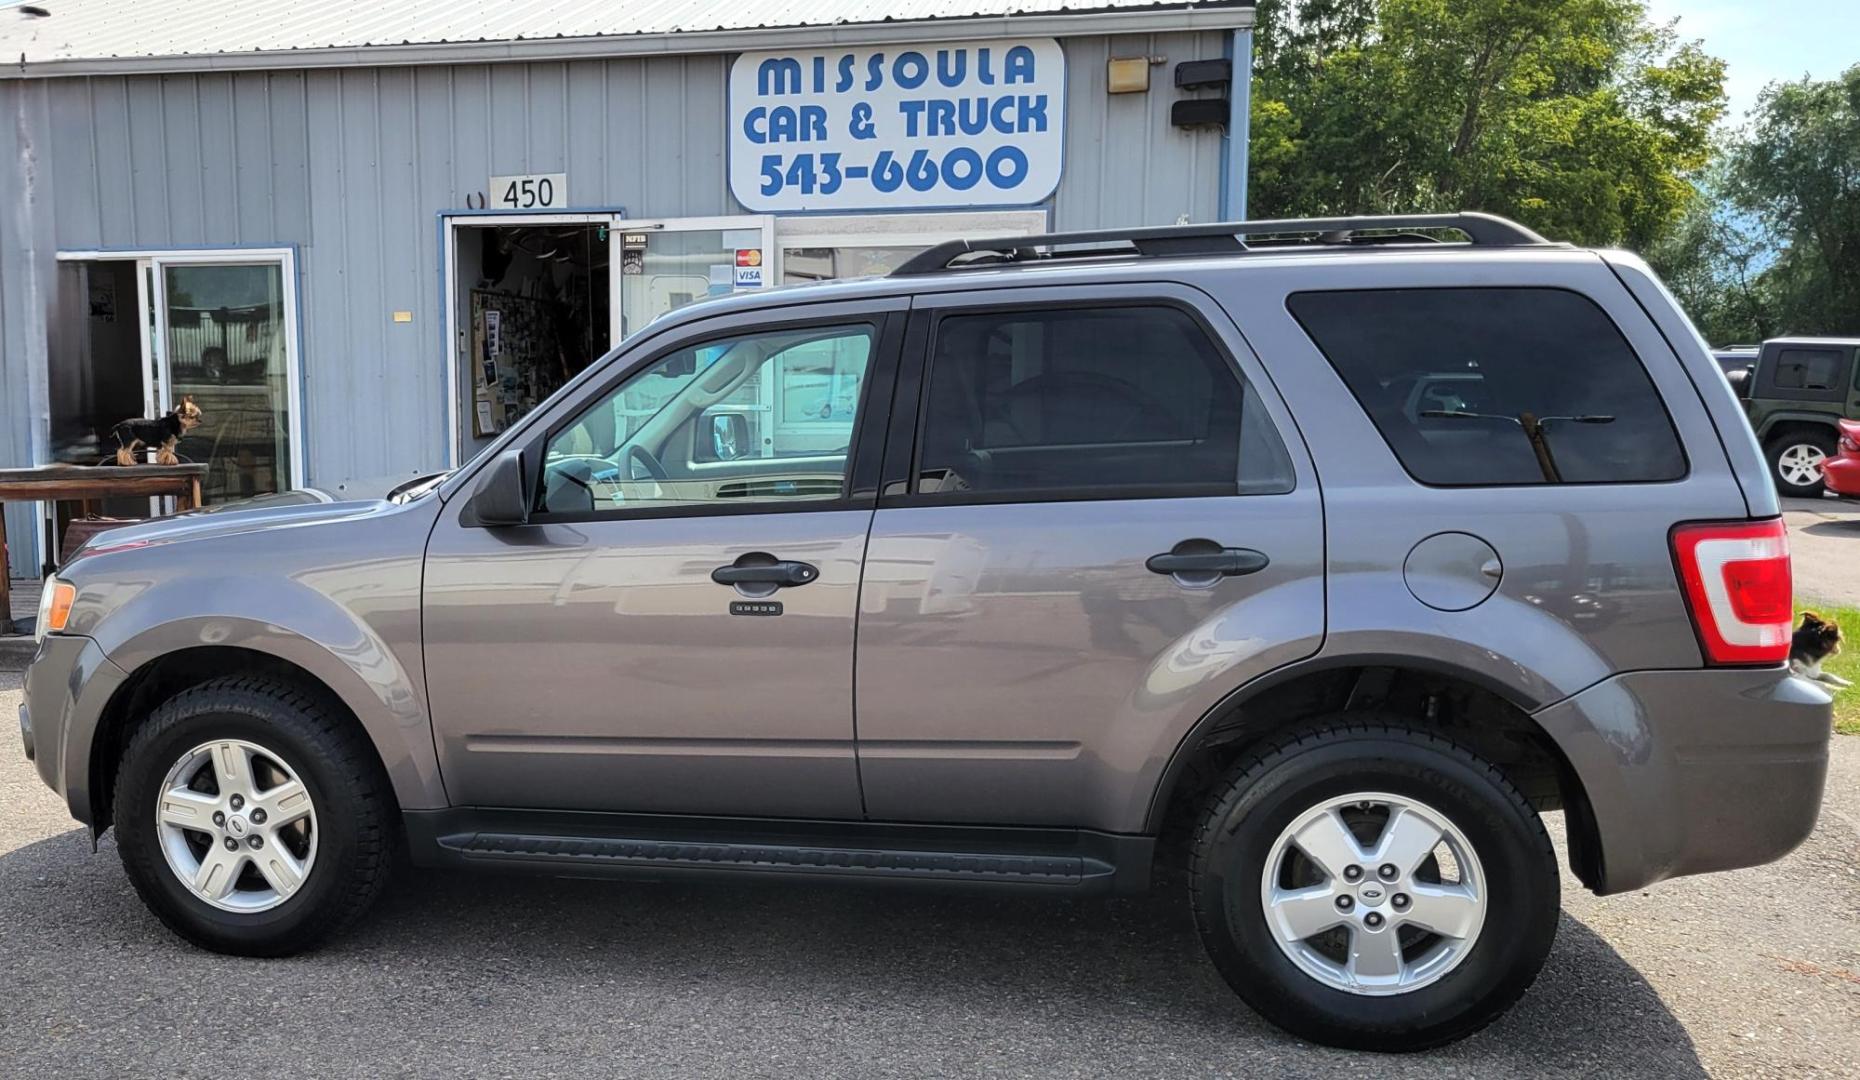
[[417, 486], [1533, 426]]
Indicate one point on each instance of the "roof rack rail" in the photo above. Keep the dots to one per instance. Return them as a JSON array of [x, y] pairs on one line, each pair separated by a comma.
[[1219, 238]]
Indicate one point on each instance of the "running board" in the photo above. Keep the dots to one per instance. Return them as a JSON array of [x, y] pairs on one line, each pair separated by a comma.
[[654, 846]]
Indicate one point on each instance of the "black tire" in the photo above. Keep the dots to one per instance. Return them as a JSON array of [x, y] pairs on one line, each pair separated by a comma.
[[1780, 444], [1278, 782], [354, 810]]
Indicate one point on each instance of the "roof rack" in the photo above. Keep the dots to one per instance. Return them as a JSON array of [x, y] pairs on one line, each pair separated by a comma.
[[1221, 238]]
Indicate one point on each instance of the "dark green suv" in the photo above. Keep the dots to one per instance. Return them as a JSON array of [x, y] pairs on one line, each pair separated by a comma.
[[1796, 393]]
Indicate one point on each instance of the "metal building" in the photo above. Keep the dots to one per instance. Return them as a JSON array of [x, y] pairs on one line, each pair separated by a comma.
[[365, 236]]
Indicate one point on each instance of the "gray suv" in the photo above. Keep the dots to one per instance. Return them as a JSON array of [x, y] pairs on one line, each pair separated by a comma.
[[1304, 563]]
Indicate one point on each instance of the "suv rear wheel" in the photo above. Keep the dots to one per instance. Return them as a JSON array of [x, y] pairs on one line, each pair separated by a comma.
[[1796, 459], [250, 819], [1368, 885]]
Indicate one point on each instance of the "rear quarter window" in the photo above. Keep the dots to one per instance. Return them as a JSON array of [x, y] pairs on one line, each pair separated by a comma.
[[1810, 369], [1496, 386]]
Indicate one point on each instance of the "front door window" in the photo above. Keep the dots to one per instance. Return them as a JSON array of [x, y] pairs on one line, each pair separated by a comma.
[[759, 418]]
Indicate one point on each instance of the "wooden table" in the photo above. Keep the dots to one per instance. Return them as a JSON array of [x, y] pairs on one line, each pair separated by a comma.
[[86, 484]]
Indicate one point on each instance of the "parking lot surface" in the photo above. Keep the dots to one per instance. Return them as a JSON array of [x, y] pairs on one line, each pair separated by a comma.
[[1824, 545], [1754, 973]]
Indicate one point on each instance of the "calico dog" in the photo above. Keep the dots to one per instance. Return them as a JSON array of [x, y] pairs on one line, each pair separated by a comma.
[[1816, 640], [132, 435]]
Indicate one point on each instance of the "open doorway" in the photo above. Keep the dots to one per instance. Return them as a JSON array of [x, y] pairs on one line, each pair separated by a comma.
[[532, 309], [93, 380], [535, 298], [136, 332]]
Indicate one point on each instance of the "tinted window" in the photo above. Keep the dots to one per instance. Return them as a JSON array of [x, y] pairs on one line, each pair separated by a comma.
[[1133, 401], [1496, 386], [1809, 369], [760, 418]]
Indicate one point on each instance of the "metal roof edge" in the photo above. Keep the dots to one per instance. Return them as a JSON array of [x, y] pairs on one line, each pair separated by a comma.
[[682, 43]]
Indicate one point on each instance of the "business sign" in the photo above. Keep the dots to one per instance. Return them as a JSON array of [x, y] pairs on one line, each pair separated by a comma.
[[960, 124]]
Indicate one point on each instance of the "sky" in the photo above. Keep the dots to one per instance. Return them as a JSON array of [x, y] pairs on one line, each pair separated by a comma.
[[1766, 40]]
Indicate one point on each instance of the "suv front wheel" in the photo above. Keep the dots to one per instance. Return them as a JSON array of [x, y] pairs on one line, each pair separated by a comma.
[[251, 819], [1373, 886]]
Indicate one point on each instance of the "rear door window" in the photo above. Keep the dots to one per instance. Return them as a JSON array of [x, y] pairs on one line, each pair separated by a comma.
[[1071, 403], [1496, 386]]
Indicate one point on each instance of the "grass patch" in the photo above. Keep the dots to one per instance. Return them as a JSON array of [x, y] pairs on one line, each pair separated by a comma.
[[1846, 665]]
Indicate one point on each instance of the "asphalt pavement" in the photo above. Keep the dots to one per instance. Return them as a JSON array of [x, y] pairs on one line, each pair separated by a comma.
[[1753, 973], [1824, 549]]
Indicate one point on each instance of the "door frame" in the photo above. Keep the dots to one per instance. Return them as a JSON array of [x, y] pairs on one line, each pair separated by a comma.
[[149, 306], [616, 221], [449, 224]]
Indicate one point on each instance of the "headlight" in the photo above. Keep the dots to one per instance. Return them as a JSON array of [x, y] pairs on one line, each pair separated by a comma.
[[54, 607]]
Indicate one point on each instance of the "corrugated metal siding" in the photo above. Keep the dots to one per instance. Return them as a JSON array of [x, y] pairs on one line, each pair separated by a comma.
[[1125, 163], [120, 28], [14, 412], [353, 165], [26, 231]]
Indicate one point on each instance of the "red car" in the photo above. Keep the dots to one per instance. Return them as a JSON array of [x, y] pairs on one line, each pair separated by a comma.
[[1843, 469]]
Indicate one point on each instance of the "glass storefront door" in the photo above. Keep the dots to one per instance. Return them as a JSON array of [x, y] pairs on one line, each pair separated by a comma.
[[826, 247], [665, 265], [225, 335]]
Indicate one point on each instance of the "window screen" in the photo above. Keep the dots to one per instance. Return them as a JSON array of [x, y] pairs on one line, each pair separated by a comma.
[[1131, 401], [1809, 369], [1496, 386]]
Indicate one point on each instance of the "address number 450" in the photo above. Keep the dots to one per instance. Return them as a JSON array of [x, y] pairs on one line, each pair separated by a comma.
[[529, 192]]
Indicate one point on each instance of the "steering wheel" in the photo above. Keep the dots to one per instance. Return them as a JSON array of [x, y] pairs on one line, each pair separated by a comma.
[[568, 484], [639, 455]]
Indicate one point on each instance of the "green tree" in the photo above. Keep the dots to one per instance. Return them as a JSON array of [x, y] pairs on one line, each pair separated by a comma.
[[1795, 169], [1578, 117], [1715, 261]]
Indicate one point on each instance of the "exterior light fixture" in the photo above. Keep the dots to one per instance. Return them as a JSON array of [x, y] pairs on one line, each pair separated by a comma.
[[1127, 75]]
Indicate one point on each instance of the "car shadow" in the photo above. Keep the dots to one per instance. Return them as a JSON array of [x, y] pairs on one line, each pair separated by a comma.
[[722, 979], [1847, 527]]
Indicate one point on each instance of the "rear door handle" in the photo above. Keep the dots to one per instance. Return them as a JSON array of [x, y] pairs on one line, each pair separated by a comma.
[[1228, 562], [780, 574]]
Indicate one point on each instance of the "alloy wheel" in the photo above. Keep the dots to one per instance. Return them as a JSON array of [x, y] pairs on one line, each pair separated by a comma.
[[1374, 894], [1800, 464], [237, 826]]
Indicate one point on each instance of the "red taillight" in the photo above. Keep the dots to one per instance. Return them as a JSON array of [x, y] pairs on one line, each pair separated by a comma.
[[1736, 576]]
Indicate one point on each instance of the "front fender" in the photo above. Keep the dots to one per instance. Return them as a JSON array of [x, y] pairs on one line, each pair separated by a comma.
[[338, 598], [339, 650]]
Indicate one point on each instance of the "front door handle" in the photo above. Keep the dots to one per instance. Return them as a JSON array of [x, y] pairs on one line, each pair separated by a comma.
[[779, 574], [1227, 562]]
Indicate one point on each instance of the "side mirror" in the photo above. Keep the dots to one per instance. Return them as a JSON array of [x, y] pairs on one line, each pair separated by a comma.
[[502, 497], [729, 433]]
